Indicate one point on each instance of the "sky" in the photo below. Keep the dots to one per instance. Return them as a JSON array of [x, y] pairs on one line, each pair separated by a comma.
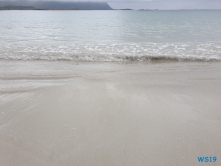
[[158, 4], [166, 4]]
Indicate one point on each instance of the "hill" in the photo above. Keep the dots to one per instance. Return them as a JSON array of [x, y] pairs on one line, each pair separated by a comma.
[[55, 5]]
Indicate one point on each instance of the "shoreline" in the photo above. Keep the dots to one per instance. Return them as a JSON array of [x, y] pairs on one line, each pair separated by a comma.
[[109, 113]]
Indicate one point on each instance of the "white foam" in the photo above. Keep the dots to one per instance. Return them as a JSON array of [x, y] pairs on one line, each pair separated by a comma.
[[115, 52]]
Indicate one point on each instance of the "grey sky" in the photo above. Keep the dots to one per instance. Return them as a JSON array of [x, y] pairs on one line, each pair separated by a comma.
[[166, 4], [159, 4]]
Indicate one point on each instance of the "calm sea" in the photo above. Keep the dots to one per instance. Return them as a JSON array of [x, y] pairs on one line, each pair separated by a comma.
[[110, 35]]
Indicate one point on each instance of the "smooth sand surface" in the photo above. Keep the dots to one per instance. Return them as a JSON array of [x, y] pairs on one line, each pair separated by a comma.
[[109, 114]]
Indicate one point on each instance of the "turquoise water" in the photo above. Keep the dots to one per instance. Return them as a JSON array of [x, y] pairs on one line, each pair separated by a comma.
[[110, 35]]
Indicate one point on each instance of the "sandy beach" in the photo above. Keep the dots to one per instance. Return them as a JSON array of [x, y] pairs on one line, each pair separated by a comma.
[[109, 114]]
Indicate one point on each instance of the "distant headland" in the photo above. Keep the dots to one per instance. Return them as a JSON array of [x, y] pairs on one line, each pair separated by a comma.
[[53, 5]]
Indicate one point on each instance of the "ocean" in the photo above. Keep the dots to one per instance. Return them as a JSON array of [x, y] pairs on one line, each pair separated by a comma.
[[110, 88], [111, 35]]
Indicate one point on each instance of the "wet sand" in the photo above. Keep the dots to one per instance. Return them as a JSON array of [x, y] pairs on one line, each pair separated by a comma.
[[109, 114]]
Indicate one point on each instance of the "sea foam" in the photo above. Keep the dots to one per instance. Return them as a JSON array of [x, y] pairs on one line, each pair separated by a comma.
[[115, 52]]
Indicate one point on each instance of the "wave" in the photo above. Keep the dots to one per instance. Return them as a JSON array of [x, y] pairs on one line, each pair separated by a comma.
[[99, 58], [116, 52]]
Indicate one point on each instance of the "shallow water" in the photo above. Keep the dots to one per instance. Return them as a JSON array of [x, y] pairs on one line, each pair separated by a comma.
[[110, 35]]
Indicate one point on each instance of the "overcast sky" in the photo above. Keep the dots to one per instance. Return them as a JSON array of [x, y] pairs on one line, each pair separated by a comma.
[[166, 4], [158, 4]]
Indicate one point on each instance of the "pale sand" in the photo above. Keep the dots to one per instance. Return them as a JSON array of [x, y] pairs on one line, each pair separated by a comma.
[[108, 114]]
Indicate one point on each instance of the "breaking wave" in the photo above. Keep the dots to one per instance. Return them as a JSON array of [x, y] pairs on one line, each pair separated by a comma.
[[115, 52]]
